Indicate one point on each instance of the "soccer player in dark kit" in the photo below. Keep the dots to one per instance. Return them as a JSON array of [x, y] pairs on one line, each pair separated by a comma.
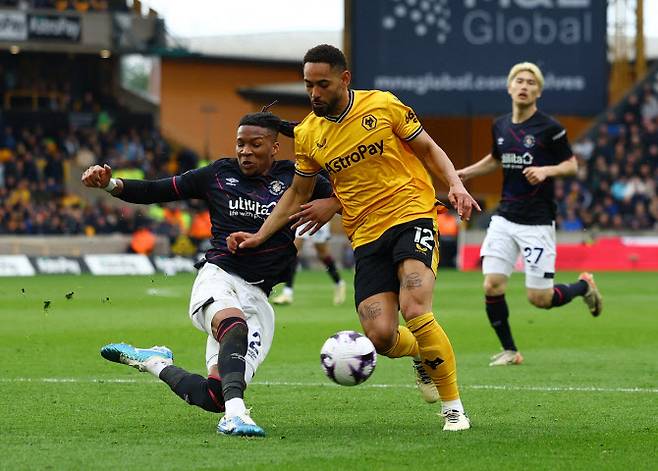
[[229, 297], [532, 149]]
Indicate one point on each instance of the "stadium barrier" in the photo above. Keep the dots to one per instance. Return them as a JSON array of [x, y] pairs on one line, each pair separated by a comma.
[[100, 264], [72, 245], [610, 253]]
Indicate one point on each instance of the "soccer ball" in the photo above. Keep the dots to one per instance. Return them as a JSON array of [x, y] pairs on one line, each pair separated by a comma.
[[348, 358]]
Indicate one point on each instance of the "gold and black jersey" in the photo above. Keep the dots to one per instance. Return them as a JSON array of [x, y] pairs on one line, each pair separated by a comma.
[[377, 178]]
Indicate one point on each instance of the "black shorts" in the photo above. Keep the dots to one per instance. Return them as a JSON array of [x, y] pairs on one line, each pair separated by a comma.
[[377, 261]]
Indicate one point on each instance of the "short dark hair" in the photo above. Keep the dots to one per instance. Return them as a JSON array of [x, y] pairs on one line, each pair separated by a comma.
[[267, 120], [326, 54]]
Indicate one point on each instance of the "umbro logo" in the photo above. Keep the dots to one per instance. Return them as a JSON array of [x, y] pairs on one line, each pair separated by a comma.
[[321, 144], [500, 141]]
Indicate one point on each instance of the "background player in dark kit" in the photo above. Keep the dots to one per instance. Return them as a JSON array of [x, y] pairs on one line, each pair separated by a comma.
[[532, 149]]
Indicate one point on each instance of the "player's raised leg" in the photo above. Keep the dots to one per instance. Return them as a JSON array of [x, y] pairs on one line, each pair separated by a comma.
[[543, 294], [194, 389]]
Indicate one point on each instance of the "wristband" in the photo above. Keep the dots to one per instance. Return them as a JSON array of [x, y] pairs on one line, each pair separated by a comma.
[[111, 185]]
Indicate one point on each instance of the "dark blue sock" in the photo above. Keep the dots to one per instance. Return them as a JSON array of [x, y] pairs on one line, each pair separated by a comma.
[[498, 312], [563, 294]]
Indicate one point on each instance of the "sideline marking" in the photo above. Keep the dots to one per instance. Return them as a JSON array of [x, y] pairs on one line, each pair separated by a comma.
[[361, 386]]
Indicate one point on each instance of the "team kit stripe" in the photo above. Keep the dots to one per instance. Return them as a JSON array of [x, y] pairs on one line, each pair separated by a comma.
[[173, 180], [414, 134], [559, 135], [306, 174]]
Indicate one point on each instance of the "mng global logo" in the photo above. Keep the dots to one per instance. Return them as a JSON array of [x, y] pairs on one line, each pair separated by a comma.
[[483, 22]]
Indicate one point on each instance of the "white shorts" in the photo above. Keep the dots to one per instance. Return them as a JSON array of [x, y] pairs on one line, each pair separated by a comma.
[[506, 240], [214, 290], [320, 237]]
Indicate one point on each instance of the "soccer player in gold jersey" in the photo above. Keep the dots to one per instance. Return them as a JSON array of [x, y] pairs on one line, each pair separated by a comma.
[[378, 156]]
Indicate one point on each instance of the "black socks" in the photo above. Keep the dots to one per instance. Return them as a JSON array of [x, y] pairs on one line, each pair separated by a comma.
[[232, 338], [194, 389], [497, 312]]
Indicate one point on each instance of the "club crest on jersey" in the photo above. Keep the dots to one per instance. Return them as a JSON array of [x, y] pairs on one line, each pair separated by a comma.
[[369, 122], [528, 141], [230, 181], [276, 187]]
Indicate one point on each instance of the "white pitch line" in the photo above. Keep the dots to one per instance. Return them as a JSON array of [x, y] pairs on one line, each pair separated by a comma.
[[68, 380], [589, 389]]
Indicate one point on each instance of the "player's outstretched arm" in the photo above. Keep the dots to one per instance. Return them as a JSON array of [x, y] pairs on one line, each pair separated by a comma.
[[300, 192], [146, 191], [440, 167], [315, 214], [483, 166]]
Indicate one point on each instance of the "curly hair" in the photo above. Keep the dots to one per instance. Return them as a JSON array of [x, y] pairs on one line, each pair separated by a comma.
[[268, 120], [326, 54]]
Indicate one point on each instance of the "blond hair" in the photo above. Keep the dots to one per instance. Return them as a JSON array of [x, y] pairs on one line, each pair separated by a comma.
[[526, 67]]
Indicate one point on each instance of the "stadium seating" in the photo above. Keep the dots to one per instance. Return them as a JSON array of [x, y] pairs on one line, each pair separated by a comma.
[[615, 188]]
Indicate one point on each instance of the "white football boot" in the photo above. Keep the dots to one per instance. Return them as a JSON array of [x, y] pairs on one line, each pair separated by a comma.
[[425, 384], [455, 421], [506, 357]]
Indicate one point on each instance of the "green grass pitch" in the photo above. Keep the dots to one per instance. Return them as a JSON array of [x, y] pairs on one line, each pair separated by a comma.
[[585, 398]]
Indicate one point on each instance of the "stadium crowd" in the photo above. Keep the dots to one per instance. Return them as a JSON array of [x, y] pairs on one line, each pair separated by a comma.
[[35, 198], [615, 188], [618, 170]]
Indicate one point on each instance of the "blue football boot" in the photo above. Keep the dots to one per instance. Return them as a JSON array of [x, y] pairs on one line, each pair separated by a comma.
[[136, 357], [239, 425]]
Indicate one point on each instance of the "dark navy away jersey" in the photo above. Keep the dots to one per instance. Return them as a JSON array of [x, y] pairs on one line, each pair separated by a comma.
[[240, 203], [539, 141]]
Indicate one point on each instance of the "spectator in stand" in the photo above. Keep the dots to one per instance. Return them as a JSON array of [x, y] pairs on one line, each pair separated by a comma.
[[641, 220], [653, 212], [618, 223], [200, 229], [619, 188], [571, 222], [143, 241], [649, 108]]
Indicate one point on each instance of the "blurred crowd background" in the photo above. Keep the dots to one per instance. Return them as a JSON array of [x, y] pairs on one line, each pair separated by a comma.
[[40, 159], [615, 188]]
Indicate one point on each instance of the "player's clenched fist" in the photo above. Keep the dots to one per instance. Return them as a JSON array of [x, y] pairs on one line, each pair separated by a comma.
[[97, 176]]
